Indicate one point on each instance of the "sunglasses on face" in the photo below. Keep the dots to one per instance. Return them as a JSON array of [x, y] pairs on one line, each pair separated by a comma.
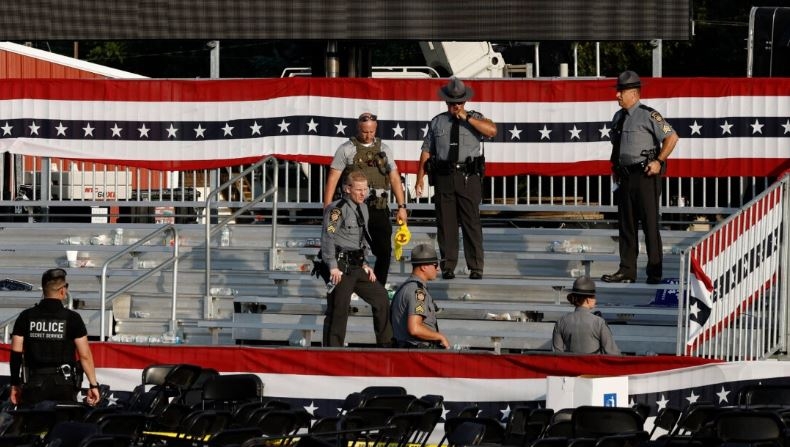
[[366, 118]]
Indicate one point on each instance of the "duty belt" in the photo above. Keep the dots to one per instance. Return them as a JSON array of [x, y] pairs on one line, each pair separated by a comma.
[[64, 369], [630, 169]]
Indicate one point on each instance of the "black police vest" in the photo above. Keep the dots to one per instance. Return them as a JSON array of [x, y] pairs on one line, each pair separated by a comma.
[[46, 341]]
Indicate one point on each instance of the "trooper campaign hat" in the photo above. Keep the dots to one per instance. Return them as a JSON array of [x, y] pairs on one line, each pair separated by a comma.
[[583, 286], [628, 79], [456, 91], [424, 254]]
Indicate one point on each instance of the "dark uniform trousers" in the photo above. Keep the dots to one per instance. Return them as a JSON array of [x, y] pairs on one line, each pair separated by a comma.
[[355, 280], [47, 385], [638, 202], [380, 230], [458, 202]]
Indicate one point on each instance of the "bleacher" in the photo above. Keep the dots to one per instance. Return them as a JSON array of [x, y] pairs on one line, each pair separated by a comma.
[[512, 309]]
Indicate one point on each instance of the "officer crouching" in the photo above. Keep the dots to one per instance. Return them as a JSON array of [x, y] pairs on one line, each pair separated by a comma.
[[50, 345]]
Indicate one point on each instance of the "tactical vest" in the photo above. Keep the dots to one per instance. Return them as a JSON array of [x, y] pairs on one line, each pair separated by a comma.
[[46, 341], [372, 161]]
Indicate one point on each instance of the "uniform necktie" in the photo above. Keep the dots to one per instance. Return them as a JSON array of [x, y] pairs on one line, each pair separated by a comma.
[[364, 226], [618, 132], [454, 139]]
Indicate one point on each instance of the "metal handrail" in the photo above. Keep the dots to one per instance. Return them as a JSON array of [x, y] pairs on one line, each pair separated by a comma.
[[272, 191], [172, 260]]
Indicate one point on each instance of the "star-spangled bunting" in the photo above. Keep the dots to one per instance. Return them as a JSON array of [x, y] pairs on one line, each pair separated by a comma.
[[333, 126], [543, 128]]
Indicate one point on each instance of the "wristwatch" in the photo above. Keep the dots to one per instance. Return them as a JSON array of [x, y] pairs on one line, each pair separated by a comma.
[[660, 161], [402, 205], [93, 386]]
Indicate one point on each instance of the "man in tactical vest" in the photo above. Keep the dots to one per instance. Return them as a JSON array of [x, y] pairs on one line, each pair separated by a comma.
[[368, 154], [51, 343]]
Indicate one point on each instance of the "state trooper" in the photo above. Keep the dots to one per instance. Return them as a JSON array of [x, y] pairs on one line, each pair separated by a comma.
[[582, 331], [375, 159], [452, 157], [50, 344], [413, 311], [641, 144], [344, 241]]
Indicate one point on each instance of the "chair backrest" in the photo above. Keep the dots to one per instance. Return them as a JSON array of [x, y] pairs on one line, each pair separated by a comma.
[[593, 422], [466, 433], [277, 422], [231, 390], [749, 426], [666, 419], [694, 417], [372, 416], [383, 390], [764, 396], [398, 403], [155, 374], [426, 424], [352, 400], [470, 411], [494, 432]]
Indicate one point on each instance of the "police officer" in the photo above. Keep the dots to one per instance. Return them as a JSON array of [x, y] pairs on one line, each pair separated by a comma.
[[452, 152], [375, 159], [581, 331], [641, 143], [343, 242], [413, 311], [50, 340]]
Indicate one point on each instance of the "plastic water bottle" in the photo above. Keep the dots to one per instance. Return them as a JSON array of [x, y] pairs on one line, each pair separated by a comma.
[[117, 237], [223, 291], [224, 240]]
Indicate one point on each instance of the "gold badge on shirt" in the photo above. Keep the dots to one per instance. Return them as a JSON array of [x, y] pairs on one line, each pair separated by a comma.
[[419, 309]]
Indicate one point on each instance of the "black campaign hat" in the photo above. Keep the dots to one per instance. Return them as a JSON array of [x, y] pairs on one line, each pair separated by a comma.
[[424, 254], [628, 79], [582, 286], [456, 91]]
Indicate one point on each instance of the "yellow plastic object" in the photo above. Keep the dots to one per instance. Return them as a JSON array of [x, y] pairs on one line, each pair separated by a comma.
[[402, 237]]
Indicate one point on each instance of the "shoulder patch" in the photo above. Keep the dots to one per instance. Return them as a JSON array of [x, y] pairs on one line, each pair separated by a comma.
[[656, 116], [335, 215], [419, 294]]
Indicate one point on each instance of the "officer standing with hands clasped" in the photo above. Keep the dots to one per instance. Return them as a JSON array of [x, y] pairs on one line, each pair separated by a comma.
[[344, 240], [452, 157], [375, 159], [581, 331], [413, 310], [641, 143], [50, 342]]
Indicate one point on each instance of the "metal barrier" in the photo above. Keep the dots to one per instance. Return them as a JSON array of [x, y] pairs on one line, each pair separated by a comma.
[[66, 190], [734, 283], [130, 249]]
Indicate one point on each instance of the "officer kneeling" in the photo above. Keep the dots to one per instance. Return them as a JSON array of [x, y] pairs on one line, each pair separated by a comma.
[[413, 311], [51, 342]]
